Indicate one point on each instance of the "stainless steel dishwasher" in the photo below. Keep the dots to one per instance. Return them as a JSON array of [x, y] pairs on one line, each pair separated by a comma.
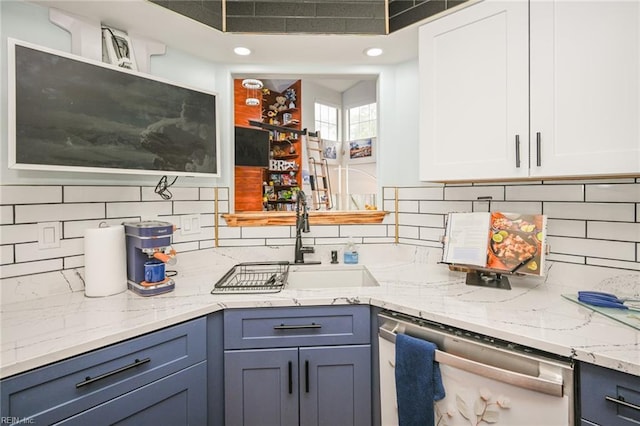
[[486, 380]]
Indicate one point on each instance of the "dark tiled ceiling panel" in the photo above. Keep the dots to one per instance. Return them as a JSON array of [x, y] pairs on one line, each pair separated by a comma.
[[307, 16], [403, 13], [319, 17], [208, 12]]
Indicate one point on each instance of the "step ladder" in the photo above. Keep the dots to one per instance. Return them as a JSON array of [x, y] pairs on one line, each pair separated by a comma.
[[318, 172]]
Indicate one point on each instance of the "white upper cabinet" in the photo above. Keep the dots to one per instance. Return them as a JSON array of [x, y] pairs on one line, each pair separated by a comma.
[[585, 88], [491, 109]]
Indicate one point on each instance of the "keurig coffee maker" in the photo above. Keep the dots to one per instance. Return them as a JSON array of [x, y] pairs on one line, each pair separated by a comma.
[[148, 251]]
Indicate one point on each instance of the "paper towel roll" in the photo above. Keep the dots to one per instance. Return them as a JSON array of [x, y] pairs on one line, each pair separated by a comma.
[[105, 261]]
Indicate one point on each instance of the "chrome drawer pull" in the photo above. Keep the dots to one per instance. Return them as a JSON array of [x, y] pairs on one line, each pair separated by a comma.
[[88, 380], [517, 151], [296, 327], [622, 402]]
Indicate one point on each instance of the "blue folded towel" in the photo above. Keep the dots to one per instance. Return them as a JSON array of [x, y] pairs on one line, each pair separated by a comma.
[[418, 381]]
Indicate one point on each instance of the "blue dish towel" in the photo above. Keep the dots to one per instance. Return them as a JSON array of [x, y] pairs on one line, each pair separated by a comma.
[[418, 381]]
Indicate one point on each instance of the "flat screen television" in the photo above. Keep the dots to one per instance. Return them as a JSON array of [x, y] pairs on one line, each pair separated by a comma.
[[69, 113], [251, 147]]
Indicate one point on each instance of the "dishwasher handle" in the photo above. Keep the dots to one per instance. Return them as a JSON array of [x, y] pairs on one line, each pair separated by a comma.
[[537, 384]]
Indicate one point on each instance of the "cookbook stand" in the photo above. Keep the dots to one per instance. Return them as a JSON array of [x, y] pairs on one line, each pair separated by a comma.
[[484, 277]]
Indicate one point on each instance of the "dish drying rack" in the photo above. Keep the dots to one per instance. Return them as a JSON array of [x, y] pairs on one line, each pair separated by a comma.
[[254, 277]]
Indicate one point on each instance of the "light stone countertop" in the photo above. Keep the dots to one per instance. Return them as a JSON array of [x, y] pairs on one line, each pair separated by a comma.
[[46, 317]]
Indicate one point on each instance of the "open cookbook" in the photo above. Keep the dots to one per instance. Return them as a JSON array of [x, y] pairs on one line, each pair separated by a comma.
[[501, 242]]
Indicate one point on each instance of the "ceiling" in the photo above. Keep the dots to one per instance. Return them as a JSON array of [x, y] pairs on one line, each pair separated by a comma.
[[154, 22]]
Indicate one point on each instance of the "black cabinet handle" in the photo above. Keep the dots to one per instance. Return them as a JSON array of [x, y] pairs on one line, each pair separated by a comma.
[[290, 377], [518, 151], [538, 149], [296, 327], [88, 380], [306, 376], [622, 402]]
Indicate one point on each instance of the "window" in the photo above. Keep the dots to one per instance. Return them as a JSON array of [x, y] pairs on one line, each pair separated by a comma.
[[326, 118], [362, 122]]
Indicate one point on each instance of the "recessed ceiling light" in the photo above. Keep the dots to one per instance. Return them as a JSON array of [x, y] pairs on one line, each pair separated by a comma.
[[242, 51], [374, 51]]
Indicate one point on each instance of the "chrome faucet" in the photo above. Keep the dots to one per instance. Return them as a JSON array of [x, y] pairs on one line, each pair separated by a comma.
[[302, 225]]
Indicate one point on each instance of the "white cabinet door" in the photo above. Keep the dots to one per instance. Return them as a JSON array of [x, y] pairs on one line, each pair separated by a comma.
[[474, 93], [585, 87]]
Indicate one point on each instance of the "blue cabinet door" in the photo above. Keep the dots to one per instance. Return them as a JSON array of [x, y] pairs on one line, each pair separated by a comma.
[[335, 385], [261, 387], [178, 399]]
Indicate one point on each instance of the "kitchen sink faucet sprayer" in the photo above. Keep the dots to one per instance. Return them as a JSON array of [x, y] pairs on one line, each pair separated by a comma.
[[302, 225]]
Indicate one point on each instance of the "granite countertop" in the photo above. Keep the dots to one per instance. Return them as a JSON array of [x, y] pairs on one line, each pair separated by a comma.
[[43, 322]]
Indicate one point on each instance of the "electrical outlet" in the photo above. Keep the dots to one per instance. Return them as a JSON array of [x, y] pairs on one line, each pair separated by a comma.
[[49, 235], [190, 224]]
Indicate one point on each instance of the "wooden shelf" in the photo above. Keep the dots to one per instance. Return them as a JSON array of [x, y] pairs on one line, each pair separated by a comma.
[[277, 128], [274, 218]]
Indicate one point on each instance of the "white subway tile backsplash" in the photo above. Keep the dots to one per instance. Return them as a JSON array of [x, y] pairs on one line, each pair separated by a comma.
[[411, 206], [363, 230], [590, 211], [228, 233], [545, 193], [567, 228], [88, 194], [185, 247], [265, 232], [223, 193], [76, 228], [613, 192], [389, 193], [473, 192], [426, 193], [28, 252], [431, 234], [613, 263], [444, 207], [526, 207], [242, 242], [593, 248], [192, 207], [320, 231], [223, 207], [412, 232], [177, 194], [566, 258], [29, 268], [27, 194], [614, 231], [73, 262], [430, 220], [58, 212], [6, 215], [6, 255], [12, 234], [145, 209]]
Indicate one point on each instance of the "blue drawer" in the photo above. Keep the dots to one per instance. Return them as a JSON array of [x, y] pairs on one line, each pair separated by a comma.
[[608, 397], [55, 392], [299, 326]]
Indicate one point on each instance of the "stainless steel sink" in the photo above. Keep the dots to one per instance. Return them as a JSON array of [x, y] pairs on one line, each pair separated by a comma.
[[329, 276]]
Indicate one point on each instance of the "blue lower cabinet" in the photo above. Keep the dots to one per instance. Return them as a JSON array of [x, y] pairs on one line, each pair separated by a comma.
[[71, 387], [261, 387], [178, 399], [298, 386], [608, 397], [335, 386]]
